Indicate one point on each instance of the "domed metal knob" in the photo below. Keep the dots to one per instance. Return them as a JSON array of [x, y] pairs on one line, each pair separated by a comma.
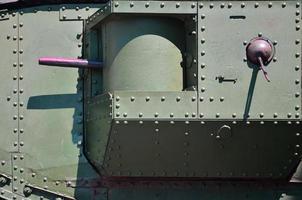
[[260, 47], [260, 51]]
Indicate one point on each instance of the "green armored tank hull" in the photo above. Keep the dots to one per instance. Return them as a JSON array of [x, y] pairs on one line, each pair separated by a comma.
[[150, 100]]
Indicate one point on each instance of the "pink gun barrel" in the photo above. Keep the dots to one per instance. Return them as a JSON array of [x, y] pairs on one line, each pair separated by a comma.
[[70, 62]]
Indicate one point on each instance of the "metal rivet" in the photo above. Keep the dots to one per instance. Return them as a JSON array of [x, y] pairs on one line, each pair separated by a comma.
[[297, 12], [275, 42], [202, 53], [261, 115], [201, 115], [163, 99], [202, 16], [297, 20], [234, 115], [193, 5], [156, 114], [274, 59], [297, 27], [193, 98], [132, 98], [221, 98], [211, 5], [297, 81], [297, 55], [203, 28], [230, 5], [171, 115], [147, 98], [297, 115], [259, 34], [125, 114], [270, 4], [140, 114], [217, 115], [202, 77], [203, 89], [283, 5], [297, 107], [297, 94], [289, 115], [177, 5], [222, 5], [202, 65], [275, 115], [242, 5], [162, 4], [211, 98], [116, 4]]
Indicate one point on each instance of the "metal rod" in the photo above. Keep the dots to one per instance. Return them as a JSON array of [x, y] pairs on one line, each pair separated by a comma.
[[70, 62]]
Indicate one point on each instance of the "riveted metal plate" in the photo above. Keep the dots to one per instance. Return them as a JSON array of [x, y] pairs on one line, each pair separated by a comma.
[[9, 84], [203, 149], [51, 103], [155, 105], [158, 7], [98, 124], [77, 11], [243, 92]]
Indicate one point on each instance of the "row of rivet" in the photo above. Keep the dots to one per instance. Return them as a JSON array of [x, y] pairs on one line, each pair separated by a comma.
[[243, 5], [205, 122], [147, 99], [156, 115], [21, 77], [98, 13], [161, 5], [15, 37]]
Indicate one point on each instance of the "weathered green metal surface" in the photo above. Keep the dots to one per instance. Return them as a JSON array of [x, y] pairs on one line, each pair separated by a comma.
[[9, 84], [42, 121], [208, 149], [44, 106], [98, 124], [207, 191], [165, 105], [222, 52]]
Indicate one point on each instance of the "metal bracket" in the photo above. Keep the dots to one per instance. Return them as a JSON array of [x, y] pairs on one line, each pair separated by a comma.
[[4, 15]]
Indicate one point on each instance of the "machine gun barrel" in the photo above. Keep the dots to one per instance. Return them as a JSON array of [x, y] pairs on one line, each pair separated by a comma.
[[70, 62]]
